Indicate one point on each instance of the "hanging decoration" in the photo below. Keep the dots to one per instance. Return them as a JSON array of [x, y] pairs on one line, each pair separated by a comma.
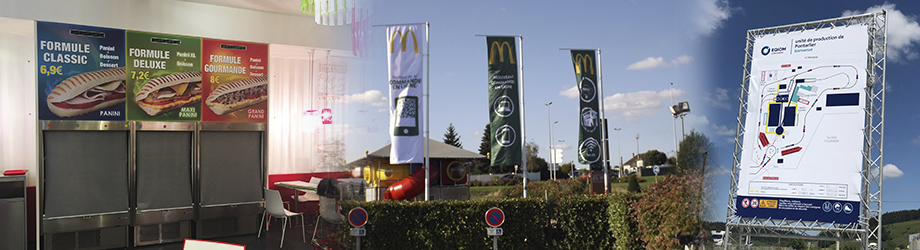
[[342, 12]]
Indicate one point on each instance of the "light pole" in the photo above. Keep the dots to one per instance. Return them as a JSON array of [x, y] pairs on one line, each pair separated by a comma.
[[550, 128], [679, 110], [618, 150], [552, 149], [638, 169], [674, 121]]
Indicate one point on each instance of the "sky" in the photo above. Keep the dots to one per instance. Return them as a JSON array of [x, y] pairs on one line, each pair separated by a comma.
[[646, 46]]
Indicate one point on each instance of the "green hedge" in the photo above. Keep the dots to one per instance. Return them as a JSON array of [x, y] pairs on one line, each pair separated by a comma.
[[575, 222]]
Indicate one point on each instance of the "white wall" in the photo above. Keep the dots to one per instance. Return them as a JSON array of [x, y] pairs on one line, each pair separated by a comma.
[[18, 106], [184, 18], [18, 98]]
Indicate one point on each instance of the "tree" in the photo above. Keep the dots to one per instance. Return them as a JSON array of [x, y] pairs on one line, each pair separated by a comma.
[[534, 162], [633, 185], [451, 137], [565, 170], [692, 152], [654, 157], [485, 145]]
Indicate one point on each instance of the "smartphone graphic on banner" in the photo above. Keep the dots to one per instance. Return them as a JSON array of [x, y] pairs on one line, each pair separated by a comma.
[[406, 122]]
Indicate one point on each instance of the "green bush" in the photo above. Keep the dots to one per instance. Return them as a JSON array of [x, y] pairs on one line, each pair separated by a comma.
[[568, 222], [451, 224], [633, 185]]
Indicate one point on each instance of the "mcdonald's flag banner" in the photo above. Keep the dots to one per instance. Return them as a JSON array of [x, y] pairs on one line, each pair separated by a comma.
[[504, 109], [589, 131], [405, 67]]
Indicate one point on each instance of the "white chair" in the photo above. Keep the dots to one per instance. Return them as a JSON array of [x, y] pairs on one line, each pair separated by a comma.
[[329, 212], [275, 207]]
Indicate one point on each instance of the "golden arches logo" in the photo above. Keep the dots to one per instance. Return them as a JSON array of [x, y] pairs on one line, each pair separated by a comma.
[[585, 61], [402, 40], [500, 48]]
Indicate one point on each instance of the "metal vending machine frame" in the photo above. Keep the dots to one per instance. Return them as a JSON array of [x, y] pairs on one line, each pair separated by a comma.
[[90, 230], [236, 217], [165, 223]]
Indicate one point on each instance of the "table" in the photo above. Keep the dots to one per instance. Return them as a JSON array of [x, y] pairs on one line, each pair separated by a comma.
[[297, 185]]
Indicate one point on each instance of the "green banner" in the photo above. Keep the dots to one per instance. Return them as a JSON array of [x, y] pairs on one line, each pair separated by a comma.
[[504, 107], [589, 129]]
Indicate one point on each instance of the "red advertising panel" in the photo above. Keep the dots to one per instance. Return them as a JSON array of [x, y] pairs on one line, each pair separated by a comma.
[[235, 81]]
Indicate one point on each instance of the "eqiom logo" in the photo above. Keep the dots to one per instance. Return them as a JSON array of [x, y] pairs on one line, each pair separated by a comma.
[[766, 50]]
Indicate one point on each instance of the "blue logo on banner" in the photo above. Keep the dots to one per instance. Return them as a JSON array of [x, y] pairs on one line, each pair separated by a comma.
[[827, 206], [847, 208], [837, 207], [765, 50]]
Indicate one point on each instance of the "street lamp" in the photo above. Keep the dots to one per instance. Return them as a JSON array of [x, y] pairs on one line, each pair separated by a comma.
[[638, 169], [680, 110], [550, 127], [552, 149], [618, 150]]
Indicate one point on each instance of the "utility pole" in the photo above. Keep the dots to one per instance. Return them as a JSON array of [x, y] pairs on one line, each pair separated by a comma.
[[638, 168]]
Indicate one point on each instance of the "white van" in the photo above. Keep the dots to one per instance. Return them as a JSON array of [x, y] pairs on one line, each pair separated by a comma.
[[717, 236]]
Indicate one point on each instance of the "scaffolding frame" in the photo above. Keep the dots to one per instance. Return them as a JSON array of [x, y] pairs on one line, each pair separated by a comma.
[[868, 229]]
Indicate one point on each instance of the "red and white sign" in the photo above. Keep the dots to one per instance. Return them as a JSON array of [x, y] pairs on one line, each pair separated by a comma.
[[495, 217], [755, 203], [357, 217], [745, 203]]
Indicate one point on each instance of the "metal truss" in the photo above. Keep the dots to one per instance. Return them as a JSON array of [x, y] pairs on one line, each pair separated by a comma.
[[868, 229]]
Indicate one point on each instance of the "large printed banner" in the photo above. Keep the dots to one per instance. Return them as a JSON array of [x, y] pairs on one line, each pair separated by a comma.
[[81, 72], [803, 140], [504, 109], [235, 81], [164, 77], [405, 79], [589, 131]]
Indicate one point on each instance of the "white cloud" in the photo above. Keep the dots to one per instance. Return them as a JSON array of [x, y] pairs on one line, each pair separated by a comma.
[[658, 62], [570, 93], [640, 103], [648, 63], [723, 130], [916, 140], [713, 15], [372, 97], [891, 171], [684, 59], [903, 31], [719, 99]]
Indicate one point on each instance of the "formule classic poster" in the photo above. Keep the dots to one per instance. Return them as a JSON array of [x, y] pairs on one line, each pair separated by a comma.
[[81, 72], [235, 81], [164, 77]]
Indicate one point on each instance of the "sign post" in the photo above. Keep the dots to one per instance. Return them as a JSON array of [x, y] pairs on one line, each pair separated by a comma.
[[357, 217], [495, 217], [656, 169]]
